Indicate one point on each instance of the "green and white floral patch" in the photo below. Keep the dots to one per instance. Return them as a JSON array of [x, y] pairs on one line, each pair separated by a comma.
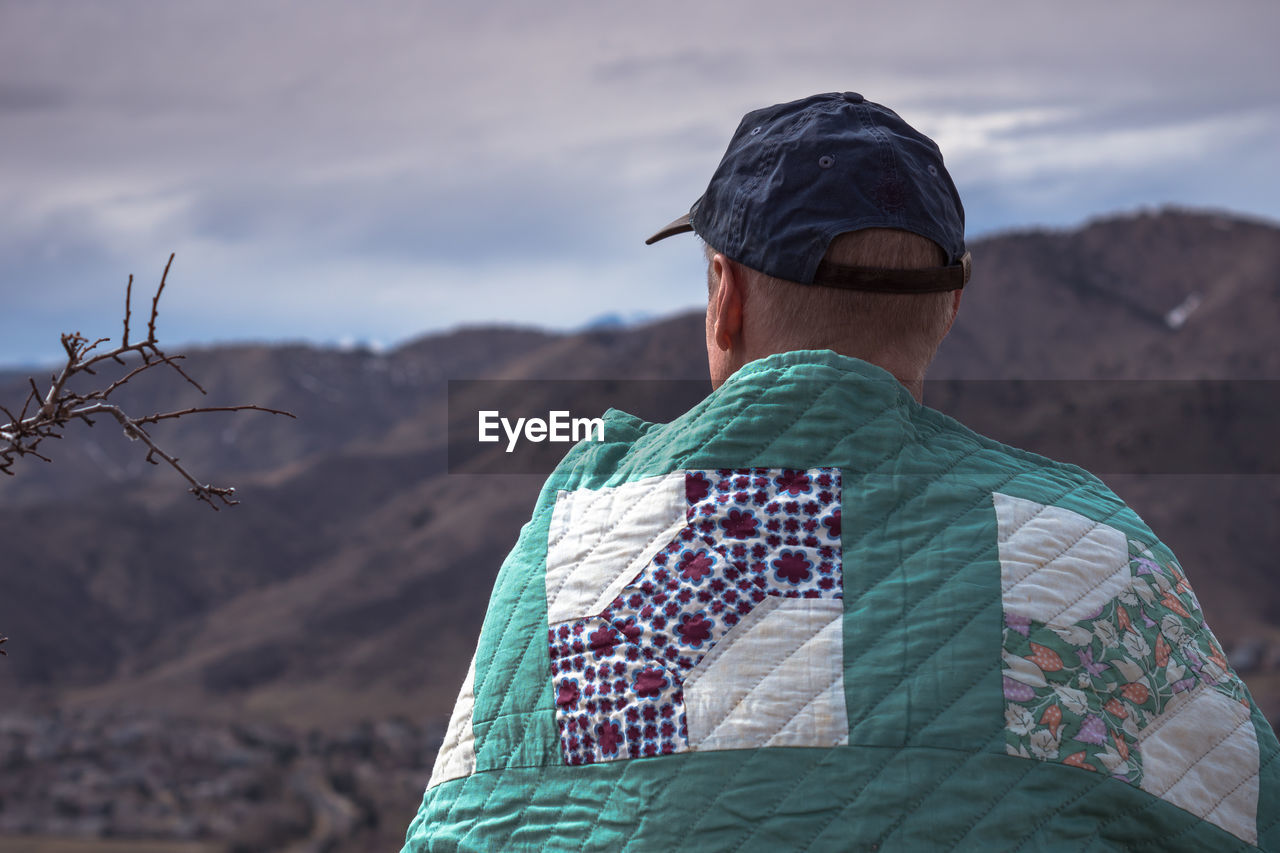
[[1106, 689]]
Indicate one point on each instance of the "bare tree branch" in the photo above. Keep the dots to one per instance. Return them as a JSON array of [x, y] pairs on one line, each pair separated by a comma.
[[45, 415]]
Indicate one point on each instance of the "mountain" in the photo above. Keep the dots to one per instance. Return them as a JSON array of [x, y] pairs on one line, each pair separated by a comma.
[[340, 602], [1156, 295]]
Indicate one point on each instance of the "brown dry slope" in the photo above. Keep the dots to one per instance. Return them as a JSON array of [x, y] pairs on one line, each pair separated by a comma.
[[349, 585]]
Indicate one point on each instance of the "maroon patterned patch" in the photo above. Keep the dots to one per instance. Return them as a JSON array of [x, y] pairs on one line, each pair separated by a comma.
[[618, 675]]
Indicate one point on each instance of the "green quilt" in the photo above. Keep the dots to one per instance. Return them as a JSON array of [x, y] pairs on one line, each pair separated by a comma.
[[812, 614]]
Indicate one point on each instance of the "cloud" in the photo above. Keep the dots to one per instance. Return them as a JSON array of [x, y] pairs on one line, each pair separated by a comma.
[[458, 163]]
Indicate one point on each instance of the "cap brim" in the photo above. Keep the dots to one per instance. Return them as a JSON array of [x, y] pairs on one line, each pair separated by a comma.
[[679, 226]]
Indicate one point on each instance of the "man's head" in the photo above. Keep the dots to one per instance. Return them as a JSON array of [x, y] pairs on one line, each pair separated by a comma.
[[830, 223]]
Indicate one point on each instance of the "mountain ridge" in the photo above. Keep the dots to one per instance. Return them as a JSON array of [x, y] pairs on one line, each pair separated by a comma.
[[349, 585]]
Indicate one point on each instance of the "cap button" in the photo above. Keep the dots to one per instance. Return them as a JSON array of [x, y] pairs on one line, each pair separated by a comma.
[[853, 97]]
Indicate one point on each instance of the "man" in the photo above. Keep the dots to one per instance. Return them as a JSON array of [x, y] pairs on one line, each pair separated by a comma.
[[812, 613]]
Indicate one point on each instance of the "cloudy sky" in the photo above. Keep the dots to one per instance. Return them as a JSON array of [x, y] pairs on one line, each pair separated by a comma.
[[337, 172]]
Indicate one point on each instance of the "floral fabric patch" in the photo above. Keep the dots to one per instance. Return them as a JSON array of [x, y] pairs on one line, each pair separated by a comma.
[[750, 534], [1089, 692]]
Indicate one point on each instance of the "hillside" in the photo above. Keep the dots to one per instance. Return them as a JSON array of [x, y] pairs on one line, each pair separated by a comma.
[[345, 594]]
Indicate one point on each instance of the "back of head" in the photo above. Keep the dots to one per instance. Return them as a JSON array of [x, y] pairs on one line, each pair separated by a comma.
[[886, 328], [843, 227]]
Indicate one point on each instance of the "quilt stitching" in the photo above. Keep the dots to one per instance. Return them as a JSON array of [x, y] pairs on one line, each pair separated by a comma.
[[1163, 841], [919, 801], [1201, 757], [553, 541], [804, 641], [1107, 646], [1164, 719], [853, 797], [1046, 563], [1246, 780], [959, 695], [600, 812], [801, 411], [896, 749], [849, 434], [509, 681], [459, 738], [983, 498], [636, 567], [879, 523], [901, 680], [751, 534], [732, 420], [1092, 693], [1042, 564], [1097, 780], [869, 708], [528, 801], [977, 821], [805, 707], [1262, 829], [552, 544], [746, 626], [1169, 716], [799, 786], [482, 680], [604, 535], [1003, 540]]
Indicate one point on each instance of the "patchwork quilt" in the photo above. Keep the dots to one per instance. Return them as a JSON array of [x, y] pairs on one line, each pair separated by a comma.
[[813, 614]]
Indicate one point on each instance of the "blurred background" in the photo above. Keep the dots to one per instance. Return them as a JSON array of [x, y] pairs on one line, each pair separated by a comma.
[[367, 202]]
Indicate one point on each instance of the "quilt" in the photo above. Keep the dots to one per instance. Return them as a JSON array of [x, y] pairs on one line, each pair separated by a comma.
[[813, 614]]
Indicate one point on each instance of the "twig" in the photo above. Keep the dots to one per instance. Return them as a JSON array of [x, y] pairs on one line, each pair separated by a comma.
[[59, 406]]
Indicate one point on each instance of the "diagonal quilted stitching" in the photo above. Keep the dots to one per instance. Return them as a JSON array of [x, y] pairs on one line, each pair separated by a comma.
[[648, 503], [456, 756], [1221, 800], [849, 802], [983, 498], [1240, 820], [1167, 840], [820, 392], [796, 728], [746, 626], [807, 653], [521, 597], [799, 784], [1027, 597], [924, 795], [1169, 759], [1199, 809], [872, 525], [995, 801], [751, 535]]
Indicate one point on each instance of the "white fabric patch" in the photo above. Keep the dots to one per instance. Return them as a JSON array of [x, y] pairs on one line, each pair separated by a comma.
[[457, 755], [1204, 744], [600, 539], [1057, 566], [777, 679]]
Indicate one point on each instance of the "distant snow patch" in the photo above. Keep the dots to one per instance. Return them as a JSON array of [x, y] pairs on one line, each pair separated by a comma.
[[1177, 317], [616, 321]]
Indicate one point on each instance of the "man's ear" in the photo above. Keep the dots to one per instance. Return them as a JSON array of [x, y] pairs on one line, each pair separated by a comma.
[[955, 309], [726, 303]]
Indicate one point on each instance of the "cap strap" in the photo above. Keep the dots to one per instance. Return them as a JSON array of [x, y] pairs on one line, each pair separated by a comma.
[[884, 280]]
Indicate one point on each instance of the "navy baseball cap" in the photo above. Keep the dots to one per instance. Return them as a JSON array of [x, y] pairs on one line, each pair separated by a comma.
[[798, 174]]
